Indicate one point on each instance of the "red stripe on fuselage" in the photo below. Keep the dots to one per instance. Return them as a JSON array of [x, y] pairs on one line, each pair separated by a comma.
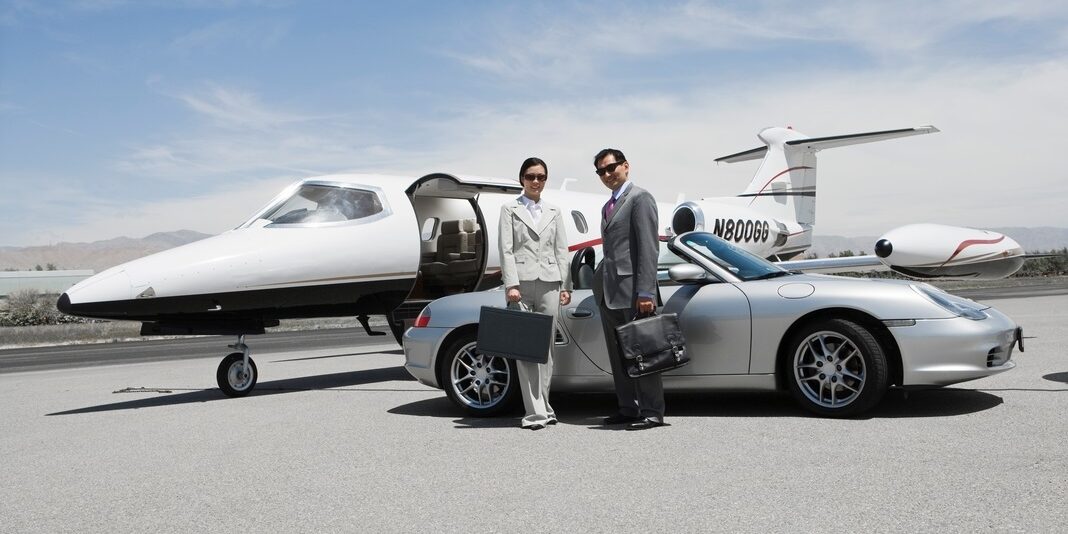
[[773, 179], [598, 241], [584, 244], [965, 244]]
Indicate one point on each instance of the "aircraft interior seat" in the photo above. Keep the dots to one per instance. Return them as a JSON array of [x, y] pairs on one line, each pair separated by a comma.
[[453, 240], [468, 262], [454, 257]]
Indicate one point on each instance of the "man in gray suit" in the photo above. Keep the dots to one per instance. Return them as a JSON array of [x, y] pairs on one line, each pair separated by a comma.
[[624, 284]]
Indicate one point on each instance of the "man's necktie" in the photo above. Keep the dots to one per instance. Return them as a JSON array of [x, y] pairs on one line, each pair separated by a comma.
[[611, 205]]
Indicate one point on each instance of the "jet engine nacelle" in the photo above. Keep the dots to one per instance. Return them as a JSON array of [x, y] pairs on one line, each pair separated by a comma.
[[940, 251], [747, 228]]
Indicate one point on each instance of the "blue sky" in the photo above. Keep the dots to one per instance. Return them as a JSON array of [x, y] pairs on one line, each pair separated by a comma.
[[128, 118]]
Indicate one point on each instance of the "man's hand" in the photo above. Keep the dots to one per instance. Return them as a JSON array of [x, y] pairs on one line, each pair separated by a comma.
[[645, 305], [513, 295], [565, 298]]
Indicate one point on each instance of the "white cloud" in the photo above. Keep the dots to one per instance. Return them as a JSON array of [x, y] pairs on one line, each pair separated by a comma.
[[257, 34], [96, 219], [568, 47], [996, 163], [237, 109]]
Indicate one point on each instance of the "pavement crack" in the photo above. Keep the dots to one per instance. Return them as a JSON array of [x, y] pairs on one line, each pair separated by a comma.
[[144, 390]]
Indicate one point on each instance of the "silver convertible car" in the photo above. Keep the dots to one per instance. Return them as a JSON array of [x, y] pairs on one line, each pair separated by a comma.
[[836, 343]]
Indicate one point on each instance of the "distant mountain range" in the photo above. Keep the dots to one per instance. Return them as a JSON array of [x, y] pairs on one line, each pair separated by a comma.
[[100, 255]]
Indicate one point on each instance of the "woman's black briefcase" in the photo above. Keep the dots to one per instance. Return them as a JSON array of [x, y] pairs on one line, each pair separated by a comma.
[[652, 345], [515, 334]]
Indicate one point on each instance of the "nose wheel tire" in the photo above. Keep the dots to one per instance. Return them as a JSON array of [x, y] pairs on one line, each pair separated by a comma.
[[236, 380], [837, 368], [480, 384]]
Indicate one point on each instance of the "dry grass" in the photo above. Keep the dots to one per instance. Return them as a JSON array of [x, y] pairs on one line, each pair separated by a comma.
[[116, 331], [108, 332]]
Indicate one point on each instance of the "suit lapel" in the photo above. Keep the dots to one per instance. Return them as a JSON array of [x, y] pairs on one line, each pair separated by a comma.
[[521, 211], [547, 215], [619, 205]]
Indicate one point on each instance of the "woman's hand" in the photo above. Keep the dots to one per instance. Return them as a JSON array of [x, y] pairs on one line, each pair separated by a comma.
[[513, 295], [565, 298]]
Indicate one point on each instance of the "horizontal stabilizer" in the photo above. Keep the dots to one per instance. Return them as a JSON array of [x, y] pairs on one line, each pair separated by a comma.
[[755, 153], [815, 144], [820, 143]]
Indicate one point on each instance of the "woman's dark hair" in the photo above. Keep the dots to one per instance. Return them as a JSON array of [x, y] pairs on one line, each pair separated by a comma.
[[531, 162]]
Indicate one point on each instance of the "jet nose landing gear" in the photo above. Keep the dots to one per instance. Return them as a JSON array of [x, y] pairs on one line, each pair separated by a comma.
[[237, 372]]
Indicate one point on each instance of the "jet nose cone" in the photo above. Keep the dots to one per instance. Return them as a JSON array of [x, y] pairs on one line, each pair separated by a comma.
[[883, 248], [63, 304]]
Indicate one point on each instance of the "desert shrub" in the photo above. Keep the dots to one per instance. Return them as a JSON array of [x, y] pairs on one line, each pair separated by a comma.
[[29, 307]]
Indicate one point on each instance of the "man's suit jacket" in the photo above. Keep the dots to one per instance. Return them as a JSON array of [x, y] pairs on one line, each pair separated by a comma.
[[533, 251], [631, 248]]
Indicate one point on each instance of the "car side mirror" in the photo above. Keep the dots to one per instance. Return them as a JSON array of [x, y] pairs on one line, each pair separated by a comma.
[[687, 273]]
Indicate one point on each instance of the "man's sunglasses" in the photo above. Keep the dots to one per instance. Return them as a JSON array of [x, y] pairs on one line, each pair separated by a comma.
[[610, 168], [536, 177]]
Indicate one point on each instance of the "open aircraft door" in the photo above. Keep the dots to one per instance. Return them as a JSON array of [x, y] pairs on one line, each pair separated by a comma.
[[457, 224]]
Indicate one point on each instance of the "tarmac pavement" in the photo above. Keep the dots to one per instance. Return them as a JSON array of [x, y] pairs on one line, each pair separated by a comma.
[[342, 440]]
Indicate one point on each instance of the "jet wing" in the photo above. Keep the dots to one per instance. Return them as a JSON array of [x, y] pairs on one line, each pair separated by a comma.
[[847, 264]]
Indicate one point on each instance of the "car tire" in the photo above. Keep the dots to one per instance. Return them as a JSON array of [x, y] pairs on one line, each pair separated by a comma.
[[836, 368], [481, 385]]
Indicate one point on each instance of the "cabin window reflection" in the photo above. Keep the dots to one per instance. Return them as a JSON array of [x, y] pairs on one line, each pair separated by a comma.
[[580, 221], [315, 203], [430, 227]]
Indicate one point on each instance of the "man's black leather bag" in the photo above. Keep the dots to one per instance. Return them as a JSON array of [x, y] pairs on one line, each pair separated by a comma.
[[652, 345]]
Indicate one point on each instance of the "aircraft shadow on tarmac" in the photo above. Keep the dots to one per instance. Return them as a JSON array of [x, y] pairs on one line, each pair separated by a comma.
[[589, 409], [274, 387], [1057, 377], [396, 351]]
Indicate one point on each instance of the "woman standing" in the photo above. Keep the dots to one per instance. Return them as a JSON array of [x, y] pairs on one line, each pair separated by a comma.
[[533, 245]]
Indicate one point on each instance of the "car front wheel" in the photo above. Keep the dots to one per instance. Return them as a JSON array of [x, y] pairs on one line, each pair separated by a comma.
[[480, 384], [837, 368]]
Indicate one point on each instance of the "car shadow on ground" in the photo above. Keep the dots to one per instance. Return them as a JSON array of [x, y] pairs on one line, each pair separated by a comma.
[[334, 381], [588, 409]]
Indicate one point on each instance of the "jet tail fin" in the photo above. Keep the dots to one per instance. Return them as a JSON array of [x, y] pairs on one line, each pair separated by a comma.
[[785, 184]]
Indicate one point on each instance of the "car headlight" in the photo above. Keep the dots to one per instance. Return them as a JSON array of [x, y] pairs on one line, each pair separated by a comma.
[[953, 304]]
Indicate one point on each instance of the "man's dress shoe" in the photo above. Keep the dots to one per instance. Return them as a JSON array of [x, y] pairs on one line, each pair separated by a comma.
[[620, 419], [646, 422]]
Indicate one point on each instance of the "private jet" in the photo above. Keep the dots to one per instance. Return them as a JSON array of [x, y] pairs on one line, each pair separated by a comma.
[[361, 245]]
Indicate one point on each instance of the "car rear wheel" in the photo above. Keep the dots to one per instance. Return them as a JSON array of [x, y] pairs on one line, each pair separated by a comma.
[[837, 368], [480, 384]]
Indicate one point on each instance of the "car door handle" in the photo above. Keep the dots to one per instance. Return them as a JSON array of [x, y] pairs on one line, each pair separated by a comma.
[[579, 313]]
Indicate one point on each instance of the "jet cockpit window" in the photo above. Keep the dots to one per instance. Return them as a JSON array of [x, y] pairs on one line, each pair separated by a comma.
[[321, 203]]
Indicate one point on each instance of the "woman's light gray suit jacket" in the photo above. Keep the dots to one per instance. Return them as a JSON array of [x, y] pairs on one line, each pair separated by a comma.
[[533, 251]]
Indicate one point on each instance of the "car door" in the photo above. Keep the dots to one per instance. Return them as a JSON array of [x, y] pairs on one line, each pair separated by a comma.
[[716, 320], [714, 317]]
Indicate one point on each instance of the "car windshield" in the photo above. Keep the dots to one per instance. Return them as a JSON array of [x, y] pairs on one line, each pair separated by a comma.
[[316, 203], [739, 262]]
